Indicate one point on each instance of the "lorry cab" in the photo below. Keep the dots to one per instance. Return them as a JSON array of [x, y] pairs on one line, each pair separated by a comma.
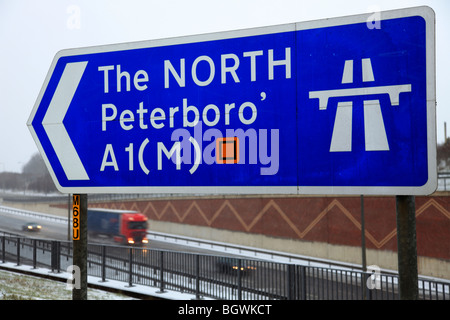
[[124, 227], [134, 228]]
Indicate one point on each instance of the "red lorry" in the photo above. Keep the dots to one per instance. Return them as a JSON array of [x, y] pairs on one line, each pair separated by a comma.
[[125, 227]]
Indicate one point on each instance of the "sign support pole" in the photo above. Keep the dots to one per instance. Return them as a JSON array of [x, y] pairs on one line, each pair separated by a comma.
[[407, 247], [79, 290], [363, 237], [363, 243]]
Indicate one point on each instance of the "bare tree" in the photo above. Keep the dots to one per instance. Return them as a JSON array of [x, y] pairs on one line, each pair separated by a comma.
[[37, 176]]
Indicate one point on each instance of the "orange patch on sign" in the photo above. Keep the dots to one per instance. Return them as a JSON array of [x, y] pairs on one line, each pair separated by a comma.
[[227, 150]]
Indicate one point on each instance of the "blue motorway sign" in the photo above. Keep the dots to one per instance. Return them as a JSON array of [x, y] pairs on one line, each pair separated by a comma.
[[336, 106]]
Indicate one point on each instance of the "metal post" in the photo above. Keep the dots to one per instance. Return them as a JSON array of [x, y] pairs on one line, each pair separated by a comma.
[[407, 247], [3, 249], [18, 251], [53, 254], [58, 256], [290, 282], [197, 276], [161, 273], [34, 254], [303, 282], [80, 202], [130, 267], [363, 246], [103, 263], [363, 236]]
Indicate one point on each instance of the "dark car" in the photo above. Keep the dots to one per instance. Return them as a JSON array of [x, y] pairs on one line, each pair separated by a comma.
[[232, 265], [31, 226]]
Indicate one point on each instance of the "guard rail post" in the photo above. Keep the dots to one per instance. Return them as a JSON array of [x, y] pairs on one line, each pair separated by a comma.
[[53, 255], [58, 256], [290, 281], [103, 263], [366, 291], [3, 249], [18, 251], [197, 276], [130, 269], [34, 254], [161, 272], [303, 282]]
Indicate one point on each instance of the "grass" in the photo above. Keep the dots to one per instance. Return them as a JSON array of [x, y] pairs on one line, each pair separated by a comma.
[[15, 286]]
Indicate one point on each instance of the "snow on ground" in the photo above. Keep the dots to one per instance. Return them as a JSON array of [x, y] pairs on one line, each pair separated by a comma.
[[16, 286]]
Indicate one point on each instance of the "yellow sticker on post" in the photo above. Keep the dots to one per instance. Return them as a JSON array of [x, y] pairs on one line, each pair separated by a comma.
[[76, 217]]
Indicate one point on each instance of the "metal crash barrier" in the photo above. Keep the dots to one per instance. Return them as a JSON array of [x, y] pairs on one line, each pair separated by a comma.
[[217, 277]]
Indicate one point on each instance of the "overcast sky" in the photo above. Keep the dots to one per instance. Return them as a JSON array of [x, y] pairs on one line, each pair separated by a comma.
[[31, 32]]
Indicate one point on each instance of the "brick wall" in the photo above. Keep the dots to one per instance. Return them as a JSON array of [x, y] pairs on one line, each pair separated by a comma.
[[332, 220]]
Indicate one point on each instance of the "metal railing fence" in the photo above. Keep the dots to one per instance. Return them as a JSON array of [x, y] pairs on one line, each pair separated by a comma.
[[217, 277]]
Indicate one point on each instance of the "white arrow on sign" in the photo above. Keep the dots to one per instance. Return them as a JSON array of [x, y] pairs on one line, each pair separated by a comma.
[[53, 121]]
